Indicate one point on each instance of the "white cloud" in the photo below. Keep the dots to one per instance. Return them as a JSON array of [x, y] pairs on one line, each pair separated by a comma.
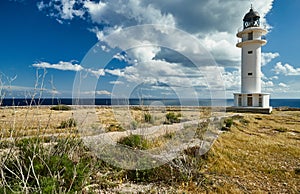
[[97, 73], [96, 10], [120, 57], [267, 84], [213, 24], [222, 46], [116, 72], [69, 66], [26, 92], [103, 92], [286, 69], [268, 57], [274, 78], [65, 66], [62, 9], [116, 82], [159, 76], [283, 85], [67, 10], [97, 92], [210, 15], [232, 80], [126, 13], [41, 5]]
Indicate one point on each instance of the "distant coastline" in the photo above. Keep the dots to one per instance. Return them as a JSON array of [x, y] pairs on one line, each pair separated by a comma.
[[293, 103]]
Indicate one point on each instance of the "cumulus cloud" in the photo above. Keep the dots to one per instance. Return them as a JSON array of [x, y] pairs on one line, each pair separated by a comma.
[[274, 78], [268, 57], [115, 72], [96, 10], [27, 92], [283, 85], [116, 82], [69, 66], [192, 16], [120, 57], [65, 66], [212, 24], [267, 84], [232, 80], [62, 9], [222, 46], [97, 73], [103, 92], [210, 15], [159, 77], [286, 69], [97, 92], [126, 13]]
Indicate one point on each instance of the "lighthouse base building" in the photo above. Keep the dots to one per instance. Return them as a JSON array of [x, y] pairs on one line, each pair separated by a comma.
[[252, 102], [251, 99]]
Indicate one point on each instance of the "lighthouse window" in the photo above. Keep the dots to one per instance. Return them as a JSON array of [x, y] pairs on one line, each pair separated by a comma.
[[250, 74], [250, 52], [250, 36], [260, 102]]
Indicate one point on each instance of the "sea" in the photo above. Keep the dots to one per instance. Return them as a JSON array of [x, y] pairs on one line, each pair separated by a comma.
[[293, 103]]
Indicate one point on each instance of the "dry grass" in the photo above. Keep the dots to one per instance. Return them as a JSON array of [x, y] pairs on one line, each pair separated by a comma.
[[30, 121], [259, 154], [255, 157]]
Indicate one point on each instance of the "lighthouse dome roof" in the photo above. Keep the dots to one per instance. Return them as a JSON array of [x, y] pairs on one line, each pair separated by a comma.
[[251, 15]]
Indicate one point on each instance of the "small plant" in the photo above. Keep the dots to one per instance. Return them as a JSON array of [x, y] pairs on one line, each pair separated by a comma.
[[148, 118], [172, 118], [113, 127], [61, 107], [136, 108], [38, 169], [281, 129], [134, 141], [133, 124], [228, 122], [67, 124], [169, 135]]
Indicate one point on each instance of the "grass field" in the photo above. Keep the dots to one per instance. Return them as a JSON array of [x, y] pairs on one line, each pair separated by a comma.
[[41, 151]]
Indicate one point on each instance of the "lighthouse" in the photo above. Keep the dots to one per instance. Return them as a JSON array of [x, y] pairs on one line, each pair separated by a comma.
[[251, 99]]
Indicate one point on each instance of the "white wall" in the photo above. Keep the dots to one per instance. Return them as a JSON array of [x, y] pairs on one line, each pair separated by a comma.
[[251, 63]]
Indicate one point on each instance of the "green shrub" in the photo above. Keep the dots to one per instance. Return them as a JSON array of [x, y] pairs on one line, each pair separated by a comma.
[[136, 108], [133, 124], [134, 141], [67, 167], [61, 107], [148, 118], [172, 118], [68, 123], [281, 129], [169, 135], [113, 127], [228, 122]]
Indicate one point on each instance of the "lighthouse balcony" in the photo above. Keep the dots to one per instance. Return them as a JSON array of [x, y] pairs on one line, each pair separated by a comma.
[[262, 42], [259, 30]]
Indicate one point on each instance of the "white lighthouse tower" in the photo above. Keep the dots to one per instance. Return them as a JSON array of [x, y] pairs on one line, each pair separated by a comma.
[[251, 98]]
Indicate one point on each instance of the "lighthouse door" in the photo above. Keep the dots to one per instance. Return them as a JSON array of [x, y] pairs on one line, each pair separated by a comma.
[[249, 101]]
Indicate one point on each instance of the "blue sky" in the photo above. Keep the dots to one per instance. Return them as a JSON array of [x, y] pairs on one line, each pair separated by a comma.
[[61, 38]]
